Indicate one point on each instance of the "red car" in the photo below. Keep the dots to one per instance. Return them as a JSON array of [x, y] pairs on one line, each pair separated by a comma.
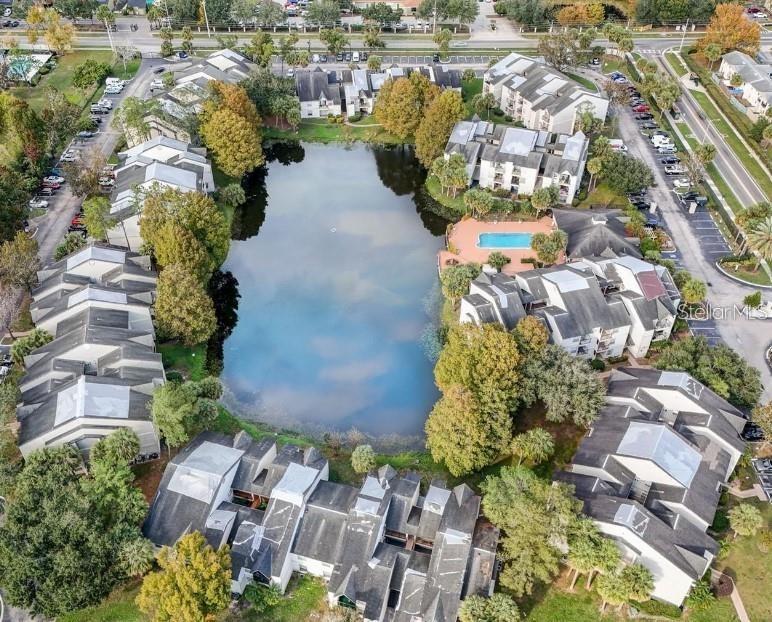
[[78, 220], [51, 184], [641, 108]]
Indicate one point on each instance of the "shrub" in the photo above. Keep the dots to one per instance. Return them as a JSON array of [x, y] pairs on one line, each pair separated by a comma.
[[508, 118], [357, 116], [720, 521], [363, 458], [598, 364], [700, 596], [498, 112], [36, 338], [261, 597], [648, 244], [724, 586], [501, 193], [658, 608], [753, 300], [43, 70], [582, 194]]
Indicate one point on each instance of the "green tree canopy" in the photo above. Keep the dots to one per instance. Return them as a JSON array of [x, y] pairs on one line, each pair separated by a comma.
[[19, 261], [182, 308], [180, 410], [535, 516], [498, 608], [535, 445], [117, 448], [363, 459], [626, 174], [436, 125], [455, 280], [745, 519], [33, 340]]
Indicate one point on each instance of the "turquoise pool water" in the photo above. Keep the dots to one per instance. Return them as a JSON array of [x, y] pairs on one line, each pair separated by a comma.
[[505, 240]]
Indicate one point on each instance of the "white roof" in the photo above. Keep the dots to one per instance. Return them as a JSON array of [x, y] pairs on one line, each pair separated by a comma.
[[297, 479], [372, 488], [657, 442], [518, 141], [96, 294], [95, 253], [574, 147], [201, 474], [681, 380], [566, 280], [436, 498], [91, 399]]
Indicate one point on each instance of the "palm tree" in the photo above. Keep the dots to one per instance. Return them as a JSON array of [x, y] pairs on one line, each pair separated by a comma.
[[606, 560], [639, 582], [536, 445], [760, 240], [483, 102], [694, 291], [594, 167], [611, 589], [745, 520], [712, 52], [136, 557], [583, 546]]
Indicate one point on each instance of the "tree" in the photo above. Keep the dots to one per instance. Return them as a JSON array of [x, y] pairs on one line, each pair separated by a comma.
[[451, 174], [485, 360], [333, 38], [498, 608], [459, 434], [730, 29], [589, 551], [363, 459], [564, 50], [372, 39], [131, 116], [167, 49], [193, 211], [535, 516], [695, 171], [59, 116], [531, 334], [324, 13], [116, 449], [230, 129], [568, 387], [694, 292], [374, 62], [89, 74], [33, 340], [719, 367], [381, 14], [700, 596], [193, 583], [96, 217], [455, 280], [181, 409], [402, 103], [712, 52], [187, 39], [478, 202], [19, 261], [175, 245], [548, 246], [745, 519], [633, 582], [626, 174], [762, 417], [9, 309], [136, 557], [442, 40], [498, 260], [760, 240], [535, 445], [183, 310], [60, 536], [268, 13], [594, 168], [261, 49], [483, 103], [544, 198], [617, 93], [612, 590], [434, 130], [232, 195], [47, 21]]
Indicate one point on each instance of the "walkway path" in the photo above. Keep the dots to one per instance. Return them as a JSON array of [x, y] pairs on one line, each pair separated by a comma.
[[756, 492], [737, 602]]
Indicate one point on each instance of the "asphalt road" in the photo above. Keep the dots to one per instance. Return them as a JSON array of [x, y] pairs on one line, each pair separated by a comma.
[[699, 244], [726, 161], [50, 228]]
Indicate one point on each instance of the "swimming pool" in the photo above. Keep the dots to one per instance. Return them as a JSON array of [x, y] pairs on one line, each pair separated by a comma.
[[505, 240]]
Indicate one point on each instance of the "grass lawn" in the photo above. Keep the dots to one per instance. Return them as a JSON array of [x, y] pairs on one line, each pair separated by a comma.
[[755, 277], [614, 63], [589, 84], [187, 361], [118, 607], [760, 174], [470, 88], [322, 131], [751, 569], [603, 196], [456, 204], [304, 600], [61, 79], [676, 64]]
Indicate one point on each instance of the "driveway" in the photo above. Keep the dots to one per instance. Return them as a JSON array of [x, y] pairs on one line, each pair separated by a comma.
[[699, 244], [52, 226]]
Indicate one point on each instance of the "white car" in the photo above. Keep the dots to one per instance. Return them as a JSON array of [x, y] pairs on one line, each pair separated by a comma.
[[682, 183], [106, 181], [7, 13], [105, 103], [355, 57], [290, 72], [53, 179], [113, 90], [315, 58], [38, 203]]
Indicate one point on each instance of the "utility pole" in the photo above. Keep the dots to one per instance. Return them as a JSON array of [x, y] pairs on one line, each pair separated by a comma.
[[683, 36], [434, 18], [110, 35], [206, 19]]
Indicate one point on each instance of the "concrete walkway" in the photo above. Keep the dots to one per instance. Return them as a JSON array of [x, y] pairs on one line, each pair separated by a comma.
[[737, 602], [756, 492]]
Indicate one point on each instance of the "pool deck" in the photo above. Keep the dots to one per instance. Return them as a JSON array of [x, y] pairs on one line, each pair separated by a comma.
[[464, 235]]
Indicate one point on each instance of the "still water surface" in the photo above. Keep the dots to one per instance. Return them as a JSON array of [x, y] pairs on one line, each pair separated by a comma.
[[339, 297]]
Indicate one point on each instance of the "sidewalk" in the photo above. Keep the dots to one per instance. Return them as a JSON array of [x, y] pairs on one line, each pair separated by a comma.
[[737, 602]]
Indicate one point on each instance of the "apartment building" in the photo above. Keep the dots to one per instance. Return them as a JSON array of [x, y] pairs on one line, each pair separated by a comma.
[[539, 96], [519, 160], [651, 469]]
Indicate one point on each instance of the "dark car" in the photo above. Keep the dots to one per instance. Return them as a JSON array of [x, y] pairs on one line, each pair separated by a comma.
[[339, 56], [73, 228], [95, 119], [652, 221], [363, 55], [436, 58], [752, 432], [347, 57], [323, 58], [14, 23], [649, 125], [6, 23], [763, 465], [644, 117], [670, 160], [159, 69], [641, 205], [688, 196]]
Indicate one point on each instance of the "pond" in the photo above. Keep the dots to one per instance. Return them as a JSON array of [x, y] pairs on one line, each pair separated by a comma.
[[336, 266]]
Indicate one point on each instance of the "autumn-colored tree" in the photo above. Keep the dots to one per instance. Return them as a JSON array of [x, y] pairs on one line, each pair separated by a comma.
[[182, 309], [402, 103], [193, 584], [581, 14], [19, 261], [235, 145], [235, 98], [437, 124], [174, 244], [730, 29]]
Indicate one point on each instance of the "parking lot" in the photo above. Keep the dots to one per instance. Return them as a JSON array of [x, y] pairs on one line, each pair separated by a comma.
[[457, 59]]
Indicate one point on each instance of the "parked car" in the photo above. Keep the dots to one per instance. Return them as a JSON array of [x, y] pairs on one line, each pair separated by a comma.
[[51, 184], [14, 23], [641, 108], [7, 23], [670, 160], [86, 134], [159, 70], [106, 181], [315, 58], [323, 58], [78, 220], [105, 103], [675, 169], [182, 55], [53, 179], [363, 56], [97, 109], [77, 229], [339, 57], [96, 119], [683, 182], [46, 192], [652, 221], [666, 148], [763, 465], [37, 203], [347, 57], [649, 125], [355, 57], [644, 117], [752, 432]]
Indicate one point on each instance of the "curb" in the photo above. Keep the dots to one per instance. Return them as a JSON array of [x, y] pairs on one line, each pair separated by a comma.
[[739, 280]]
